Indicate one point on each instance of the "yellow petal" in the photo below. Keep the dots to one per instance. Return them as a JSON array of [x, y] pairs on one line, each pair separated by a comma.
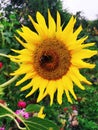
[[76, 45], [37, 27], [51, 89], [29, 85], [42, 87], [21, 42], [75, 80], [51, 24], [26, 77], [32, 91], [79, 76], [60, 91], [73, 93], [67, 33], [87, 45], [81, 64], [68, 96], [83, 54], [69, 28], [42, 24], [36, 81], [68, 85], [23, 69], [59, 28], [29, 35], [77, 32], [23, 52]]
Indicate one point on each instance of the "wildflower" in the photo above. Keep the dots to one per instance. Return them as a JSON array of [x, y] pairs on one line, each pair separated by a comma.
[[22, 113], [21, 104], [2, 128], [52, 58]]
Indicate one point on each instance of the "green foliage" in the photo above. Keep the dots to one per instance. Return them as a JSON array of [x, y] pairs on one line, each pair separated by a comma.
[[32, 123], [40, 124], [87, 124], [7, 30], [33, 108]]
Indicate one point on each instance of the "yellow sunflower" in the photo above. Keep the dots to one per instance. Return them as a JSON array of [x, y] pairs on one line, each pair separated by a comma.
[[52, 57]]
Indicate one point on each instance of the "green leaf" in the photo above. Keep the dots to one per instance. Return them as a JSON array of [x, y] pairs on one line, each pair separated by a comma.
[[36, 123], [33, 108]]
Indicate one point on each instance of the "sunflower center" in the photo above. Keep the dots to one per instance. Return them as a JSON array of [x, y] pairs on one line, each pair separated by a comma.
[[51, 59]]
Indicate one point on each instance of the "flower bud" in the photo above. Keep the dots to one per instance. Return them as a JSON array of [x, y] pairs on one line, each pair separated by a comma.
[[21, 104]]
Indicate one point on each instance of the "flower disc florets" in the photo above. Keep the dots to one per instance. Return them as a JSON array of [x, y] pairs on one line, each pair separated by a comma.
[[51, 59]]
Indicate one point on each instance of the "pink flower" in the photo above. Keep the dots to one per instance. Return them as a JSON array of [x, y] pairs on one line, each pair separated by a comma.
[[22, 113], [26, 115], [1, 65], [2, 128], [21, 104]]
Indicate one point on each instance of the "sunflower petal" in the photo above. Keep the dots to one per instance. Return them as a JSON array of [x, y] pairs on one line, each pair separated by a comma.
[[21, 70], [26, 77], [68, 85], [68, 96], [80, 54], [77, 32], [60, 91], [75, 79], [81, 64], [50, 89], [37, 27], [29, 85], [42, 24], [69, 28], [35, 85], [51, 24], [29, 35], [42, 88], [59, 28], [79, 76], [21, 42], [88, 45]]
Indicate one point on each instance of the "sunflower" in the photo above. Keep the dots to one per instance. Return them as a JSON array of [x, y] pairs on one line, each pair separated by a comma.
[[52, 57]]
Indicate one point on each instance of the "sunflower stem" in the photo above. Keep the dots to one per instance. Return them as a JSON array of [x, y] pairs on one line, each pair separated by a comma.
[[9, 81]]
